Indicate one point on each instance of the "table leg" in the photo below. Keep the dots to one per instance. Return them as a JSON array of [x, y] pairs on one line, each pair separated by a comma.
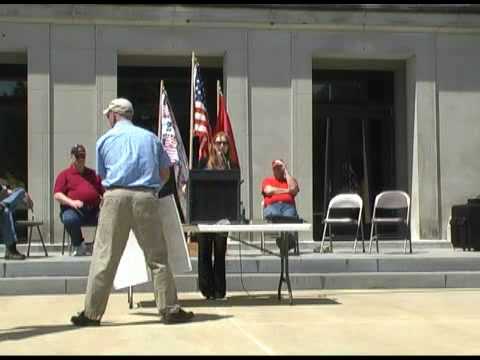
[[284, 267], [281, 273], [130, 297], [287, 274]]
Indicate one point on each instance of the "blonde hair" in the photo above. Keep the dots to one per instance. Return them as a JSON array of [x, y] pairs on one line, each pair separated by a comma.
[[214, 160]]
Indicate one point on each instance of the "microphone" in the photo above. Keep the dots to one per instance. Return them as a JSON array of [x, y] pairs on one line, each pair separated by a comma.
[[225, 161]]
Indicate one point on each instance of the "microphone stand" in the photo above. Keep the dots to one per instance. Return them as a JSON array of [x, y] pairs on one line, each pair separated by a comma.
[[225, 161]]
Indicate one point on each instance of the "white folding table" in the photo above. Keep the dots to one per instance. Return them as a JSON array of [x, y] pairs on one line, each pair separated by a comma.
[[282, 228]]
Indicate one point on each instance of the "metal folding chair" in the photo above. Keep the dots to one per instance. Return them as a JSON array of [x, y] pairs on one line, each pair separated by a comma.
[[65, 234], [343, 201], [30, 224], [275, 235], [262, 234], [394, 200]]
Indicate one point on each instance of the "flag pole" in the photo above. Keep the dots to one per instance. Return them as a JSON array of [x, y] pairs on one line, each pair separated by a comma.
[[160, 111], [190, 155], [192, 89], [218, 102]]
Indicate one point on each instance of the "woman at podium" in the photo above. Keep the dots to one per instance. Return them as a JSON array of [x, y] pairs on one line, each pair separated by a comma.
[[211, 272]]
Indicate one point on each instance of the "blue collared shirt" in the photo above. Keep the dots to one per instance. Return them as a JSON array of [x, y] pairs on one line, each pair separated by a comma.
[[130, 156]]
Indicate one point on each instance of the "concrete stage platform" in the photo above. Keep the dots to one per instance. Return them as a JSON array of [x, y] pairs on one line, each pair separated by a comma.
[[433, 264]]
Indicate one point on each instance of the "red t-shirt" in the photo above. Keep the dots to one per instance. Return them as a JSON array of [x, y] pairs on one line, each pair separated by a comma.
[[270, 199], [86, 187]]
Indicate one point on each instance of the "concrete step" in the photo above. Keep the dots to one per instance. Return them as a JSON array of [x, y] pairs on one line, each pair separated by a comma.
[[431, 261], [262, 282], [346, 245], [342, 269], [305, 246]]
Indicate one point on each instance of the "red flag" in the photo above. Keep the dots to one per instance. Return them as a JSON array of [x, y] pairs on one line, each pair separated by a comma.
[[223, 124]]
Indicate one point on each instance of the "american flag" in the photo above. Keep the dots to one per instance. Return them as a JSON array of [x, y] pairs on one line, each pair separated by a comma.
[[201, 125]]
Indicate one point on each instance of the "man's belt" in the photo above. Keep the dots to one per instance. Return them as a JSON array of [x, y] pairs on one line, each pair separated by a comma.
[[133, 188]]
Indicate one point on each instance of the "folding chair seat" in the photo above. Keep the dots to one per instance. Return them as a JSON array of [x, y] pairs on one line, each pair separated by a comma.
[[353, 202], [392, 201]]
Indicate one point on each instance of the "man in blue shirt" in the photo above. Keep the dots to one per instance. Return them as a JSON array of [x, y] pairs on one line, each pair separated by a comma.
[[133, 166]]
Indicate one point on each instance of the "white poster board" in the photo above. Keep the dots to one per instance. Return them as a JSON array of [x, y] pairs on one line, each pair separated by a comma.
[[133, 270]]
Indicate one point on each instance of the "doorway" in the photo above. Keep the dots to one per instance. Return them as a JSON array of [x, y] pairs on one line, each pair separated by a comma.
[[13, 116], [139, 80], [140, 83], [354, 139], [14, 132]]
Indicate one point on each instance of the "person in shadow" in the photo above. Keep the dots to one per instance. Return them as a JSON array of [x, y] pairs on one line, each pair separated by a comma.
[[10, 200]]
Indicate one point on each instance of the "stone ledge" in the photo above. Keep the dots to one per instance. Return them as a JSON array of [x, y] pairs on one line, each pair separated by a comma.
[[262, 282]]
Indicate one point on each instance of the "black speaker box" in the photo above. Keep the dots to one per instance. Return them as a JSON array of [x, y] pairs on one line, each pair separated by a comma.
[[213, 195], [465, 225]]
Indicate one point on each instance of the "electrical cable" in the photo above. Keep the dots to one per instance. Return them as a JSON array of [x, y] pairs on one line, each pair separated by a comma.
[[241, 266]]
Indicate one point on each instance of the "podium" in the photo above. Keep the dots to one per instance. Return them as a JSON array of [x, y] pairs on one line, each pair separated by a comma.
[[213, 195]]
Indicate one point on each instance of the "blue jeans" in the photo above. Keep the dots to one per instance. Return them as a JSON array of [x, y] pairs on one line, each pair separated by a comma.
[[7, 224], [283, 209], [74, 219], [280, 209]]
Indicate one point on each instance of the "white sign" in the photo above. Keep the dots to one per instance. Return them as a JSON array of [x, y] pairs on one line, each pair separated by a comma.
[[133, 270]]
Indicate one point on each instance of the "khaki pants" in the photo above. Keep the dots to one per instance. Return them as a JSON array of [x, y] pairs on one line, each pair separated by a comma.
[[122, 210]]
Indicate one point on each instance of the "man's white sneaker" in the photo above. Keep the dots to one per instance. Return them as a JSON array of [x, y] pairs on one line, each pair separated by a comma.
[[81, 250]]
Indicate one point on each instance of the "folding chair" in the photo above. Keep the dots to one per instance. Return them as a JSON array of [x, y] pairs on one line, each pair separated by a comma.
[[262, 234], [343, 201], [70, 242], [30, 224], [278, 234], [391, 201]]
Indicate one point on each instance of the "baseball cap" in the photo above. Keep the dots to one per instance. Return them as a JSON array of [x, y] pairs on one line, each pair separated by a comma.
[[120, 105], [277, 162]]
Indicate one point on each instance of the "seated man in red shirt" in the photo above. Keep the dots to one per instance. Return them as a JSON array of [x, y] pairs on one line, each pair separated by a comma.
[[279, 192], [79, 191]]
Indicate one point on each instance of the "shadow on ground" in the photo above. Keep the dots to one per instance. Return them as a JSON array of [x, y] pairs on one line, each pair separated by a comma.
[[24, 332], [199, 317], [247, 300]]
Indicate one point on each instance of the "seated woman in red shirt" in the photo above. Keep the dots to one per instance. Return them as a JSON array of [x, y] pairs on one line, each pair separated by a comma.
[[79, 191]]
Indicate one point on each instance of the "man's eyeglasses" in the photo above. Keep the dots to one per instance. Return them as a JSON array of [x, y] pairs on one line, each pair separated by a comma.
[[80, 156]]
